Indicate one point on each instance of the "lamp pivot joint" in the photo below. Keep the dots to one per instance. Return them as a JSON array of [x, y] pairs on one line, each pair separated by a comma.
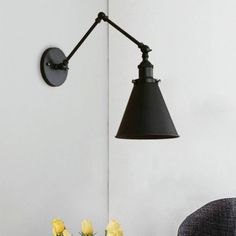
[[144, 48], [101, 16]]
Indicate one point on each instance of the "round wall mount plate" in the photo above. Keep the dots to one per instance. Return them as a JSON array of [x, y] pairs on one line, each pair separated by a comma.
[[52, 76]]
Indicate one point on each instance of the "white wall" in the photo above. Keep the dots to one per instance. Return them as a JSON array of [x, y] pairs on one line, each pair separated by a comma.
[[53, 141], [154, 185]]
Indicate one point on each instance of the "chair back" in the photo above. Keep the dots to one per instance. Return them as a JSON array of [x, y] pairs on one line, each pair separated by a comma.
[[217, 218]]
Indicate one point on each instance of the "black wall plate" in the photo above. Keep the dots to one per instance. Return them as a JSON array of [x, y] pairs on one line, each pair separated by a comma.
[[53, 77]]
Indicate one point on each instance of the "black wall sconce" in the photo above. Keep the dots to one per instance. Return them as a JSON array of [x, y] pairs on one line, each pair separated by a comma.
[[146, 115]]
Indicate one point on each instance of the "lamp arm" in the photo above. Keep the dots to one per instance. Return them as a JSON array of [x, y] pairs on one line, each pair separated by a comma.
[[144, 48], [54, 63], [102, 16]]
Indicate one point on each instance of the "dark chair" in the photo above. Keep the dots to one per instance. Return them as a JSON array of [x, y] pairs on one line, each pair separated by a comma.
[[217, 218]]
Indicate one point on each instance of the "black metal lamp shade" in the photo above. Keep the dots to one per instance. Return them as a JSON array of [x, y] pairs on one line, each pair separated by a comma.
[[146, 115]]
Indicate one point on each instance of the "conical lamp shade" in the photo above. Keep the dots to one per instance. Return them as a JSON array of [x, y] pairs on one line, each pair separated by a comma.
[[146, 115]]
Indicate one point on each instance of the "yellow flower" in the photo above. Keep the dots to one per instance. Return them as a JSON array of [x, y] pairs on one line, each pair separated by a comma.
[[113, 229], [113, 225], [66, 233], [87, 228], [57, 227]]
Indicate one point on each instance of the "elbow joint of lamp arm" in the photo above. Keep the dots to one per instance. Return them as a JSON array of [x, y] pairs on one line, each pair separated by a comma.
[[101, 16]]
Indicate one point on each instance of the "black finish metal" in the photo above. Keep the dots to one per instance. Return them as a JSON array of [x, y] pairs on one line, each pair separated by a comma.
[[146, 115], [139, 44], [53, 71], [82, 40], [62, 64], [102, 16]]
